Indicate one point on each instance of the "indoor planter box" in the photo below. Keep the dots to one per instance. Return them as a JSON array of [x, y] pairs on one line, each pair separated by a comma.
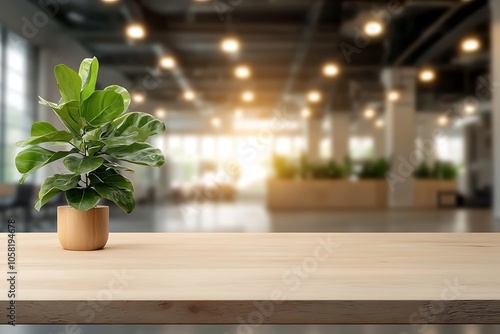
[[426, 191]]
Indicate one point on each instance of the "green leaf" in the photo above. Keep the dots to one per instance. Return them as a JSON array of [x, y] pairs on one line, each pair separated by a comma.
[[124, 94], [116, 167], [55, 137], [111, 178], [93, 134], [83, 165], [138, 153], [54, 185], [124, 198], [69, 83], [68, 113], [135, 121], [102, 107], [82, 199], [121, 140], [88, 73], [33, 158], [42, 128]]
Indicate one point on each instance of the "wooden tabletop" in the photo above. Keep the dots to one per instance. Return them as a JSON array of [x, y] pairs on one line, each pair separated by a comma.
[[194, 278]]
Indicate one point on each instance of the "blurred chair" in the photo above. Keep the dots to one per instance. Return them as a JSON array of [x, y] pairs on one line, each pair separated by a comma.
[[21, 199]]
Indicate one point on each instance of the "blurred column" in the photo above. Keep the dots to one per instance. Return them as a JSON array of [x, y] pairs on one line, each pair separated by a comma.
[[400, 134], [314, 134], [379, 141], [426, 141], [339, 135], [495, 107]]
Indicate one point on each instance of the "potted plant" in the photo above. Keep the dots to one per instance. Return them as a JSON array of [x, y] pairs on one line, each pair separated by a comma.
[[99, 134]]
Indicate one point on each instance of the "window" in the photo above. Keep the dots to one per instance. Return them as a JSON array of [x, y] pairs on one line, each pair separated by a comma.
[[17, 103]]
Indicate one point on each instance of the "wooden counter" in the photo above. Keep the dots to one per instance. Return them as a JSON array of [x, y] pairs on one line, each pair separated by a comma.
[[258, 278]]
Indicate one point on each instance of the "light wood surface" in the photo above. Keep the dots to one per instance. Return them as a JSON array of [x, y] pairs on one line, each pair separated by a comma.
[[82, 230], [193, 278]]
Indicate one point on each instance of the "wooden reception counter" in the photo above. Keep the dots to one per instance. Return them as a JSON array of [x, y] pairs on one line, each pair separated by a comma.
[[250, 279]]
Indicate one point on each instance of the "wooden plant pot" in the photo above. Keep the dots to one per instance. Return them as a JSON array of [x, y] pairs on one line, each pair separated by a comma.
[[82, 230]]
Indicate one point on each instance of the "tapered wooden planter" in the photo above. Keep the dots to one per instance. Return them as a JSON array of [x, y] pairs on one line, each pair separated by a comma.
[[83, 230]]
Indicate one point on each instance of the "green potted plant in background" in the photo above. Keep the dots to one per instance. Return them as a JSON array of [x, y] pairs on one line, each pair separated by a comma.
[[99, 133]]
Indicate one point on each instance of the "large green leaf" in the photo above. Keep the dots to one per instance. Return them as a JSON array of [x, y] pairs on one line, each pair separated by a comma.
[[43, 132], [68, 113], [111, 178], [82, 165], [121, 140], [42, 128], [138, 153], [116, 167], [88, 73], [69, 83], [124, 198], [33, 158], [123, 92], [135, 121], [102, 107], [54, 185], [82, 199]]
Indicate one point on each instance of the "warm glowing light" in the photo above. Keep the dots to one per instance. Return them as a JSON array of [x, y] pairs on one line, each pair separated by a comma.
[[314, 96], [230, 45], [379, 123], [247, 96], [109, 1], [369, 113], [470, 109], [138, 97], [330, 70], [189, 95], [215, 122], [471, 45], [238, 113], [427, 75], [443, 120], [306, 113], [373, 28], [136, 31], [393, 95], [242, 72], [160, 113], [167, 62]]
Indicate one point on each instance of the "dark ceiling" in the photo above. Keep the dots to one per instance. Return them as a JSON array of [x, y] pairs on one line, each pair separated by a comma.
[[285, 42]]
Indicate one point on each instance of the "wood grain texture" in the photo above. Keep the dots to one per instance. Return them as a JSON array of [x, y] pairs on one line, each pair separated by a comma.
[[225, 278]]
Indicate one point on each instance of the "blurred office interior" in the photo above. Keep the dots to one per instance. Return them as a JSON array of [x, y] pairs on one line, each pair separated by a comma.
[[281, 115]]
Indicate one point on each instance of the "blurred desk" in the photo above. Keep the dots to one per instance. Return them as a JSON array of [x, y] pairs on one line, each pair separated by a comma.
[[275, 278]]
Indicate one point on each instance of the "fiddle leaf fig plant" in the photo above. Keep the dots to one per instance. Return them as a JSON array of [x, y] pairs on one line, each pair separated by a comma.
[[99, 133]]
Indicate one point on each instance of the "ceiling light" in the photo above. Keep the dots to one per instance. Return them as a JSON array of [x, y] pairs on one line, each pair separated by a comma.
[[247, 96], [470, 109], [238, 113], [427, 75], [306, 113], [230, 45], [471, 45], [189, 95], [379, 123], [215, 122], [160, 113], [242, 72], [136, 31], [167, 62], [442, 120], [393, 95], [373, 28], [330, 70], [314, 96], [138, 97], [369, 113], [109, 1]]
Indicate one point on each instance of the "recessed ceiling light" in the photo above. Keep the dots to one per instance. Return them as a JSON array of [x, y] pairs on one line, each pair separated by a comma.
[[230, 45], [138, 97], [167, 62], [330, 70], [471, 45], [189, 95], [305, 113], [109, 1], [393, 95], [160, 113], [369, 113], [242, 72], [314, 96], [470, 109], [247, 96], [238, 113], [427, 75], [136, 31], [379, 123], [215, 122], [373, 28], [443, 120]]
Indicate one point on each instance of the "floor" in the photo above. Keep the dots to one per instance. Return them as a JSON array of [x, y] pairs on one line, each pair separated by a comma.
[[251, 216]]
